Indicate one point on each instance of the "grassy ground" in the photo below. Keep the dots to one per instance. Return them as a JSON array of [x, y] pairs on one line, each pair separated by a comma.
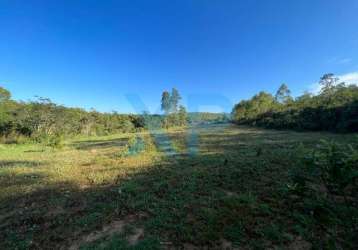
[[219, 190]]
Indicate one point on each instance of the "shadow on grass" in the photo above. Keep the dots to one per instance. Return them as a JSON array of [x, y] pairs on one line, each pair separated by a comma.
[[34, 151], [9, 179], [206, 201], [180, 200], [7, 163], [99, 144]]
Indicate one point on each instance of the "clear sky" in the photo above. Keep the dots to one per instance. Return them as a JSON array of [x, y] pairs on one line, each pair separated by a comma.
[[92, 53]]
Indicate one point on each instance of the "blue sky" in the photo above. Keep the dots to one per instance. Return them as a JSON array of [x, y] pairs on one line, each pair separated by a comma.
[[92, 53]]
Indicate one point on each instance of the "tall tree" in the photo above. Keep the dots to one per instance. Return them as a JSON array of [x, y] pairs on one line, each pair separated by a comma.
[[166, 102], [183, 116], [283, 94], [4, 108], [4, 95], [174, 100], [328, 82]]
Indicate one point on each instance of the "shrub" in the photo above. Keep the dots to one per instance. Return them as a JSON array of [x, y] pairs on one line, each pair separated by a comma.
[[325, 182], [14, 138], [55, 141], [335, 165]]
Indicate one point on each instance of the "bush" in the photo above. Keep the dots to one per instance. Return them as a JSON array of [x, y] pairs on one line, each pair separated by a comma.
[[335, 165], [55, 141], [325, 182], [14, 138]]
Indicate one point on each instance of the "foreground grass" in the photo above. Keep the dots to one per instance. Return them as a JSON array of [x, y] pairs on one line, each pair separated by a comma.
[[92, 194]]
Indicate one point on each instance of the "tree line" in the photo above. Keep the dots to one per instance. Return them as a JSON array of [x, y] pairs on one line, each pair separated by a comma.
[[42, 119], [335, 108]]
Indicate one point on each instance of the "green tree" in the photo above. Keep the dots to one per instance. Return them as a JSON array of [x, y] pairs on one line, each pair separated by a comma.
[[328, 82], [174, 100], [5, 95], [304, 100], [335, 108], [262, 103], [5, 118], [283, 94], [166, 102], [183, 116], [248, 110]]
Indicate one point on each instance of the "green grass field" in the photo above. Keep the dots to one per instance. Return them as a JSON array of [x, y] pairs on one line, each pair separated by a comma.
[[93, 194]]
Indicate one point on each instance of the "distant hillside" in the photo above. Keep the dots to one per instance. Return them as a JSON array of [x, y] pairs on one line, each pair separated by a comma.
[[197, 117]]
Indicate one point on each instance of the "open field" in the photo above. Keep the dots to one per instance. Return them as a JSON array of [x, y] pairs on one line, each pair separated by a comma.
[[221, 190]]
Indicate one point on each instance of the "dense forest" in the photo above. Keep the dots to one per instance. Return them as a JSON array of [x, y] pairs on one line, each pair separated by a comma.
[[334, 108]]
